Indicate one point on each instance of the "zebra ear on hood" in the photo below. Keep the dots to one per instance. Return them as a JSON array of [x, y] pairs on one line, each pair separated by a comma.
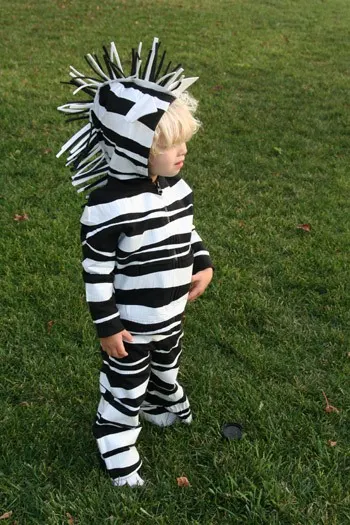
[[148, 89], [144, 106]]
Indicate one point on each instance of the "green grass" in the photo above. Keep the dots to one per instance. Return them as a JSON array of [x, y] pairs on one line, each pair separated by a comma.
[[271, 333]]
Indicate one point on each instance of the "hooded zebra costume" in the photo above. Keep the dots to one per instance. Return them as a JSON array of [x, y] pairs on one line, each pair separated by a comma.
[[139, 245]]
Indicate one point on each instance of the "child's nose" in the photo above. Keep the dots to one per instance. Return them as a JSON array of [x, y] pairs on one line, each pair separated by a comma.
[[183, 149]]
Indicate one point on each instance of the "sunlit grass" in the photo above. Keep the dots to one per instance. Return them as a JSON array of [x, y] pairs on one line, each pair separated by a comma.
[[270, 334]]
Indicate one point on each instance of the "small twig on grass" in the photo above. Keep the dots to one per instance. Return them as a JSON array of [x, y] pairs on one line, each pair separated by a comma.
[[328, 407]]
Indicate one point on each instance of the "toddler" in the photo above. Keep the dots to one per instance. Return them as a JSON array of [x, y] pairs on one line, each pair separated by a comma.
[[142, 257]]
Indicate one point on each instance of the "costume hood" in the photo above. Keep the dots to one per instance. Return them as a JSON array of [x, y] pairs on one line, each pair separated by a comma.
[[123, 115]]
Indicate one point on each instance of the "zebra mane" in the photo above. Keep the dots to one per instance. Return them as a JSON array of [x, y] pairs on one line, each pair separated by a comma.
[[84, 153]]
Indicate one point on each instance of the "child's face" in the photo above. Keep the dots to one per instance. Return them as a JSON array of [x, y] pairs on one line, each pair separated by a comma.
[[169, 162]]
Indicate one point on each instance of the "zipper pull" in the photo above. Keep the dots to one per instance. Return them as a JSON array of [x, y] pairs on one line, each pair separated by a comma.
[[159, 189]]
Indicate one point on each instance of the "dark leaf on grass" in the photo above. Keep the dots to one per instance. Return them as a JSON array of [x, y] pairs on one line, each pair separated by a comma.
[[217, 88], [6, 516], [182, 482], [23, 217], [331, 443], [70, 518], [24, 404], [305, 227], [47, 151], [49, 326], [329, 408]]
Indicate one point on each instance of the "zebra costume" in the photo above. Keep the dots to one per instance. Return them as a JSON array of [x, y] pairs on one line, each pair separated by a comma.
[[139, 245]]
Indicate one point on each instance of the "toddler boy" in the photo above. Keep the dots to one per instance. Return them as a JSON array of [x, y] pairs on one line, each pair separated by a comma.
[[142, 258]]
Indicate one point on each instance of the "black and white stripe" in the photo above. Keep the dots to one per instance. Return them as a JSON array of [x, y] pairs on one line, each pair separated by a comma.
[[139, 248], [123, 112], [145, 380]]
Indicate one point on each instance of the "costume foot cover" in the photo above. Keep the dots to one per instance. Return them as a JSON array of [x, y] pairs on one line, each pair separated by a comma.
[[134, 480], [164, 420]]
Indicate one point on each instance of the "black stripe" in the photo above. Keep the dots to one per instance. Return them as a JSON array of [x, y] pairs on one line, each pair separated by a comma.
[[119, 140], [165, 96], [141, 256], [136, 328], [152, 297], [157, 266]]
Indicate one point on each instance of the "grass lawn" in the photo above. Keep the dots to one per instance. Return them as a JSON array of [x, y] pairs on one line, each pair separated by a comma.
[[272, 332]]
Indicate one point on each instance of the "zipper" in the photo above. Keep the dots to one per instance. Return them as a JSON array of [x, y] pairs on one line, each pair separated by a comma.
[[159, 189], [160, 192]]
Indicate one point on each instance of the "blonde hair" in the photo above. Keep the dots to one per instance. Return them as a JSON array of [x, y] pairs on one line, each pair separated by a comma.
[[177, 125]]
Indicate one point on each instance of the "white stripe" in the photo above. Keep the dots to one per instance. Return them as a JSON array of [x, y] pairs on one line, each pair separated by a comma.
[[94, 215], [123, 459], [202, 252], [118, 440], [98, 292], [150, 63], [134, 95], [177, 227], [157, 335], [195, 237], [120, 393], [150, 250], [136, 131], [126, 372], [135, 156], [98, 267], [168, 279], [152, 215], [73, 139], [107, 254], [111, 413], [126, 165], [117, 361], [146, 314], [108, 318], [155, 260]]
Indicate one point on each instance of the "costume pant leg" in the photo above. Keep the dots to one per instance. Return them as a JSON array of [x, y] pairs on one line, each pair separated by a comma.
[[164, 393], [123, 384]]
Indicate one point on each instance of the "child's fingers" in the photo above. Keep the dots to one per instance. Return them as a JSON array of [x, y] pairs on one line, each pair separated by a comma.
[[195, 292], [120, 349], [127, 336]]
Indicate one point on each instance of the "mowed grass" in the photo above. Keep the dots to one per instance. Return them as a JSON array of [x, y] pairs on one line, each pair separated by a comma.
[[272, 332]]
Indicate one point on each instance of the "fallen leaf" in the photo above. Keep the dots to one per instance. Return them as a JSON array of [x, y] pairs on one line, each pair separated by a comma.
[[70, 518], [47, 151], [348, 354], [182, 482], [331, 443], [24, 404], [23, 217], [241, 224], [305, 227], [217, 88], [6, 516], [329, 408], [49, 326]]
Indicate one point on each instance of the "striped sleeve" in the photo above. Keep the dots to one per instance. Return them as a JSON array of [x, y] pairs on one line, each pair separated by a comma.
[[99, 251], [200, 253]]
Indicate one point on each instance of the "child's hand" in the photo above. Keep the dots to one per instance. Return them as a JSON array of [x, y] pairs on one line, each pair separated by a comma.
[[114, 346], [200, 281]]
